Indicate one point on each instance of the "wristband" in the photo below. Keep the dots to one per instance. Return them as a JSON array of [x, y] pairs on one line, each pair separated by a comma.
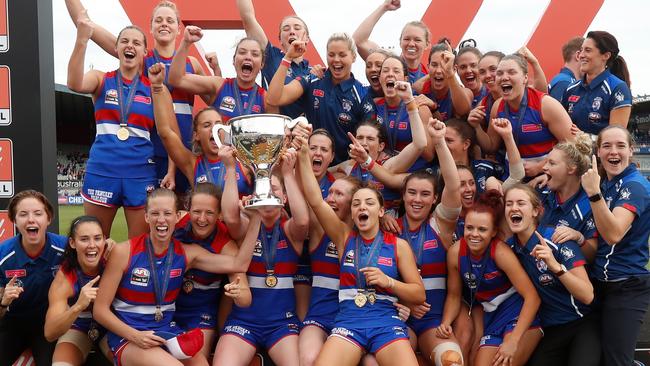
[[366, 163], [3, 306], [596, 197], [581, 240], [285, 62], [391, 283], [370, 166], [410, 101]]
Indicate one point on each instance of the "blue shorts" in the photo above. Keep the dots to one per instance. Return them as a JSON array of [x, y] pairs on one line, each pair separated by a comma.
[[182, 185], [117, 343], [196, 318], [493, 335], [261, 335], [372, 339], [117, 192], [429, 321], [303, 272], [326, 324]]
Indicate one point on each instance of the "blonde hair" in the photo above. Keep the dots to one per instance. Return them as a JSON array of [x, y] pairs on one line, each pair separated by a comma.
[[418, 24], [166, 4], [344, 37], [577, 152]]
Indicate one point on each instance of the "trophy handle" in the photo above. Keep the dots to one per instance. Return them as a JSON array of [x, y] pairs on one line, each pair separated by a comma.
[[215, 133], [291, 124]]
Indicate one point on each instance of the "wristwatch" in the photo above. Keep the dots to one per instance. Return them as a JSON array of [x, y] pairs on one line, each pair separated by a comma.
[[596, 197], [562, 271]]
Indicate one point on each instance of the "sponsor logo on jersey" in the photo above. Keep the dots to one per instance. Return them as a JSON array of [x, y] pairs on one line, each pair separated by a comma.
[[142, 99], [595, 105], [176, 272], [15, 272], [402, 126], [349, 258], [227, 104], [385, 261], [531, 128], [573, 98], [567, 253], [619, 96], [346, 105], [345, 118], [541, 265], [331, 250], [111, 97], [318, 93], [491, 275], [594, 116], [257, 251], [282, 244], [140, 277], [545, 279], [430, 244]]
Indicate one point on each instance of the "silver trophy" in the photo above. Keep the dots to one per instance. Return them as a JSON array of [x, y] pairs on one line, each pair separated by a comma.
[[258, 139]]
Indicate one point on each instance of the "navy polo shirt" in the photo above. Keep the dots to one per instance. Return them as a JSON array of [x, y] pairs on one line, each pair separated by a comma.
[[589, 105], [484, 169], [336, 108], [560, 83], [575, 212], [34, 274], [558, 305], [628, 257], [272, 60]]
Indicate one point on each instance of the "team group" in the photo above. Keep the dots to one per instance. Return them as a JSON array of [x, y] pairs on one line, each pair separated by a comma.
[[458, 212]]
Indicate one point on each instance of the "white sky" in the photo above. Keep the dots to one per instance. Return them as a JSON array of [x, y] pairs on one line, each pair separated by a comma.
[[627, 20]]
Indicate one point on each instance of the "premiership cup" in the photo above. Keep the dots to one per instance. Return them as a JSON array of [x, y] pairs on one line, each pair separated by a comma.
[[258, 139]]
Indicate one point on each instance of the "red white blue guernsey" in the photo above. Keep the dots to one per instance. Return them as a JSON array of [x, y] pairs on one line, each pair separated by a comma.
[[270, 305], [392, 197], [233, 101], [478, 98], [533, 137], [383, 312], [431, 258], [398, 129], [77, 279], [325, 184], [324, 305], [217, 174], [110, 157], [199, 299], [135, 302], [445, 105], [183, 102], [418, 73], [629, 257]]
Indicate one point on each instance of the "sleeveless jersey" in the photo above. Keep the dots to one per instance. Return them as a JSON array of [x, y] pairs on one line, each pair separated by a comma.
[[478, 98], [206, 286], [445, 106], [532, 136], [418, 73], [271, 304], [392, 197], [218, 173], [325, 184], [110, 157], [77, 279], [228, 105], [135, 302], [325, 280], [183, 103], [382, 313]]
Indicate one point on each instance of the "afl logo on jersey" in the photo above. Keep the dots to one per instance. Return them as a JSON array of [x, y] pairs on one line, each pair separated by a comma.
[[140, 277], [349, 258], [258, 248], [111, 97], [202, 179], [227, 104], [331, 250]]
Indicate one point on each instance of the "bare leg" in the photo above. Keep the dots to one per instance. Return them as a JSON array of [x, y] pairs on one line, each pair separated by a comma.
[[340, 352], [105, 215], [310, 342], [232, 351], [285, 351], [135, 222]]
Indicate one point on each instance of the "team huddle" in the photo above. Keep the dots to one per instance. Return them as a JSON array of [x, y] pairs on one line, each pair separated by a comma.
[[453, 212]]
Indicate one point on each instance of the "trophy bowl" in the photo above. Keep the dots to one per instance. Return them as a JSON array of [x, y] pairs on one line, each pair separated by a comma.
[[258, 139]]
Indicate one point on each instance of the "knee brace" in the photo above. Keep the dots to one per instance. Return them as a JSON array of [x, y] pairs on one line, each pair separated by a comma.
[[447, 354]]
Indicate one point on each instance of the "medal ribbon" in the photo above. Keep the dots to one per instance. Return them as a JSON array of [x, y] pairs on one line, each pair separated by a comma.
[[82, 281], [269, 250], [219, 182], [416, 245], [372, 256], [125, 109], [160, 287], [474, 291], [156, 56], [392, 131], [251, 99], [520, 117]]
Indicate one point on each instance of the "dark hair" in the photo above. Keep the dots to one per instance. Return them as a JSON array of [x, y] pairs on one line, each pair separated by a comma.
[[29, 193], [498, 54], [263, 54], [196, 147], [630, 138], [490, 201], [374, 123], [401, 62], [295, 17], [371, 186], [439, 47], [206, 188], [532, 194], [466, 49], [423, 174], [519, 60], [323, 132], [144, 36], [608, 43], [463, 128], [70, 261], [161, 192], [570, 48]]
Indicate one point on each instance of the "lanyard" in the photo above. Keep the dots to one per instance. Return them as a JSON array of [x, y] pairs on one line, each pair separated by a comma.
[[251, 99], [125, 108], [160, 286], [520, 117], [416, 245], [269, 250], [156, 56], [371, 256], [392, 131], [475, 284], [219, 182]]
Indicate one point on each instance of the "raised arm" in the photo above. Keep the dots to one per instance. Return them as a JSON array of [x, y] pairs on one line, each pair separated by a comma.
[[206, 86], [539, 79], [221, 263], [102, 37], [362, 34], [280, 94], [503, 127], [236, 221], [252, 27], [492, 140], [461, 97], [336, 229], [297, 226], [166, 124], [360, 155], [77, 81]]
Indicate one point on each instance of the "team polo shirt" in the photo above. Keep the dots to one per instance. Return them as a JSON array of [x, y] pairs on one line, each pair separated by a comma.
[[589, 105], [628, 257], [336, 108], [575, 212], [560, 83], [35, 275], [272, 62], [558, 305]]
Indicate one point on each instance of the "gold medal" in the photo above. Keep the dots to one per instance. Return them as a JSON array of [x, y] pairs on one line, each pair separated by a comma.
[[93, 333], [360, 299], [372, 298], [271, 280], [158, 316], [122, 134], [188, 286]]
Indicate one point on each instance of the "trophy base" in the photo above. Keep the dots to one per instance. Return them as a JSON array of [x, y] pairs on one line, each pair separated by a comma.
[[257, 203]]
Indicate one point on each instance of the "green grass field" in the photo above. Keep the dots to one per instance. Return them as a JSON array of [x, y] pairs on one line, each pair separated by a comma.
[[68, 213]]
